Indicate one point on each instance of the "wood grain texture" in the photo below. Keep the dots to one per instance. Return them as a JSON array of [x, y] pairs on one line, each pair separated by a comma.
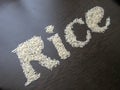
[[94, 67]]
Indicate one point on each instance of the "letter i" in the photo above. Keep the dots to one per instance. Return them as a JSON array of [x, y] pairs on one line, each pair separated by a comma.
[[57, 42]]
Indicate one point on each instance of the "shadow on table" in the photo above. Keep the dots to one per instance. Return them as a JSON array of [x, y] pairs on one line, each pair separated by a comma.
[[117, 1]]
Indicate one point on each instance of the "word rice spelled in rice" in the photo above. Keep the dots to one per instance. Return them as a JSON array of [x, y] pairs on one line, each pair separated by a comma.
[[31, 50]]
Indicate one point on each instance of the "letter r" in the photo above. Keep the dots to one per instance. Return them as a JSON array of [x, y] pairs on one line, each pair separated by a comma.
[[31, 50]]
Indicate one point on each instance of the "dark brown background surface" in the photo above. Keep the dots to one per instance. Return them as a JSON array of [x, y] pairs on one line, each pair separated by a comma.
[[94, 67]]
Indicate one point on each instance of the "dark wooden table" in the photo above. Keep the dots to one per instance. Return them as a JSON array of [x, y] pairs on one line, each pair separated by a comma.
[[94, 67]]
